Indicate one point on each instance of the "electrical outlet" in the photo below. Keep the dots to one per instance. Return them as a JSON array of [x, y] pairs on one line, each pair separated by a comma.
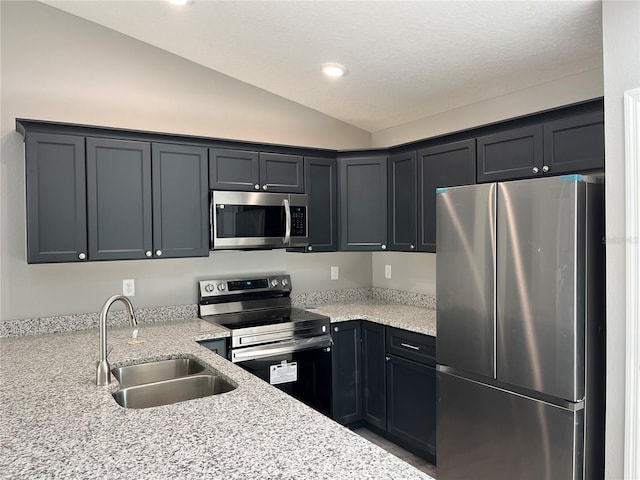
[[129, 287], [335, 273], [387, 271]]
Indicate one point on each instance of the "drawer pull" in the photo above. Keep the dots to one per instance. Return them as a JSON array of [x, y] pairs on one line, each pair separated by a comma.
[[412, 347]]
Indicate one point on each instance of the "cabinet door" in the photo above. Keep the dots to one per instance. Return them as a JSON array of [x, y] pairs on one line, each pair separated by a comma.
[[374, 409], [119, 199], [447, 165], [180, 201], [281, 173], [403, 229], [363, 203], [346, 383], [56, 198], [411, 405], [234, 170], [321, 187], [511, 154], [574, 144]]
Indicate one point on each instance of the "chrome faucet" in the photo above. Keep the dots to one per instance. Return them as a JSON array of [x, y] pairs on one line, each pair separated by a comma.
[[103, 373]]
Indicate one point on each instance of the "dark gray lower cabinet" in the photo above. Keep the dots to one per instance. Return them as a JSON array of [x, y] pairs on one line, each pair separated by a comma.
[[321, 186], [384, 378], [411, 405], [374, 386], [56, 198], [119, 202], [346, 363]]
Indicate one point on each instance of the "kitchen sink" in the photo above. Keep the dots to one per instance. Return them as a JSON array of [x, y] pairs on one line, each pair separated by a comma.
[[163, 382], [171, 391], [156, 371]]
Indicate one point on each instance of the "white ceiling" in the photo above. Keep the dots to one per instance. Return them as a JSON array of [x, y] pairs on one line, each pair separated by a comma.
[[406, 59]]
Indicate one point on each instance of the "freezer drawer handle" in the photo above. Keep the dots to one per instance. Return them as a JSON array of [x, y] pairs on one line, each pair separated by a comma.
[[412, 347]]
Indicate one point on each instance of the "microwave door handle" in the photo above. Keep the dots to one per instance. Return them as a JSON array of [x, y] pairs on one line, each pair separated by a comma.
[[287, 227]]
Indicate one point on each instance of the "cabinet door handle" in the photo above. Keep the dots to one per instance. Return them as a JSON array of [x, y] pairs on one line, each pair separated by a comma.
[[545, 169], [412, 347], [535, 169], [412, 247], [264, 187], [148, 253], [256, 187], [159, 253], [335, 329], [82, 256], [383, 246], [387, 358], [310, 248]]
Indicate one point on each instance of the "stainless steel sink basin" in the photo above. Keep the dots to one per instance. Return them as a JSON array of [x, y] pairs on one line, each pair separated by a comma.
[[171, 391], [163, 382], [156, 371]]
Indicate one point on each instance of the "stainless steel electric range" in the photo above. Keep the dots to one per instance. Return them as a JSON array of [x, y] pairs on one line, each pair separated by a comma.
[[285, 346]]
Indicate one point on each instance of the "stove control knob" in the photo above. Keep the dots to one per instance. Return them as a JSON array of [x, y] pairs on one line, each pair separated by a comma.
[[284, 282], [221, 287], [208, 287], [274, 283]]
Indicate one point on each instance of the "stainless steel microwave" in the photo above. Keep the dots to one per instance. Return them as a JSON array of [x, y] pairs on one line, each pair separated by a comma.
[[255, 220]]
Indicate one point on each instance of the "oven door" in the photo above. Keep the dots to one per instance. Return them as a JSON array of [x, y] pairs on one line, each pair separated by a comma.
[[300, 367], [244, 220]]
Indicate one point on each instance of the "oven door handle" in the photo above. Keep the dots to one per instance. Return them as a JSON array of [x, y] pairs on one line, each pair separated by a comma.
[[280, 348], [287, 227]]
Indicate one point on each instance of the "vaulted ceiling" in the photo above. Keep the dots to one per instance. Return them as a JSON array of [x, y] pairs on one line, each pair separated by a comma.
[[405, 59]]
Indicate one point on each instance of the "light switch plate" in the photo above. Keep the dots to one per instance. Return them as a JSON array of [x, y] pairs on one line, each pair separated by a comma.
[[387, 271], [335, 273]]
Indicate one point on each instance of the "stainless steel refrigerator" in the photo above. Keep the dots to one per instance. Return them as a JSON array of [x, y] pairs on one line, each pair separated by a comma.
[[520, 343]]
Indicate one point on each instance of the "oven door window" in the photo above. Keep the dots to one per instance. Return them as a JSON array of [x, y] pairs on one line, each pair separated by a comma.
[[250, 221], [313, 376]]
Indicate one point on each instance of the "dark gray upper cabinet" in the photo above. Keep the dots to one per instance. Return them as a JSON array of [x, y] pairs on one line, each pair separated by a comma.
[[446, 165], [363, 203], [566, 145], [403, 228], [281, 173], [243, 170], [512, 154], [56, 198], [119, 199], [346, 358], [234, 170], [574, 144], [180, 201], [321, 187]]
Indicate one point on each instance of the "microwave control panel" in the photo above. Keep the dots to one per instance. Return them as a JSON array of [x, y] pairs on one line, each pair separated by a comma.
[[298, 221]]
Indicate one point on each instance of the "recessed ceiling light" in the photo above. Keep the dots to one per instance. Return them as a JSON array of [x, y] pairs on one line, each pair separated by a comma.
[[334, 69], [180, 2]]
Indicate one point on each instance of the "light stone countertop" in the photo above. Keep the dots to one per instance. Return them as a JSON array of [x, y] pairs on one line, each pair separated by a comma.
[[56, 423], [408, 317]]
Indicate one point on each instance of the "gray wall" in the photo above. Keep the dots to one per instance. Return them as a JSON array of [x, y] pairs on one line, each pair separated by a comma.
[[621, 50], [59, 67]]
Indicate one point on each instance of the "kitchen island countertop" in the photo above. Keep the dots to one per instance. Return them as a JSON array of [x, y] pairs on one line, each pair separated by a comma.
[[56, 423]]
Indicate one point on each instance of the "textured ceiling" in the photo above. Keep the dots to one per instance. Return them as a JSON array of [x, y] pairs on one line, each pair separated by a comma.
[[406, 60]]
